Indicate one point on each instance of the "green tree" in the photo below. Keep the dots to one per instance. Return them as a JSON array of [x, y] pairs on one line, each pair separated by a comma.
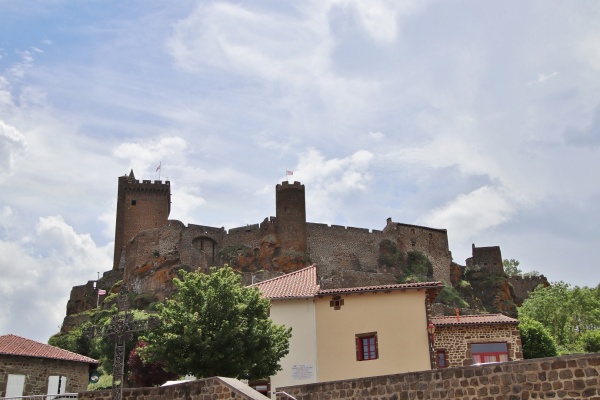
[[565, 311], [214, 326], [590, 341], [511, 267], [536, 340]]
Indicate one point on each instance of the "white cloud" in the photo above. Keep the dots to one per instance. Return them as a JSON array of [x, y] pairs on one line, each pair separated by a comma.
[[12, 144], [41, 282], [470, 214], [146, 156], [330, 180]]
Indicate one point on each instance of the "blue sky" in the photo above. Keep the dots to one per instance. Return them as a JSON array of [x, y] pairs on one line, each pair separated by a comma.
[[482, 118]]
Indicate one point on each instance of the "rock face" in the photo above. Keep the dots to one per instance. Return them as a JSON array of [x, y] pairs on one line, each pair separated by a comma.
[[150, 250]]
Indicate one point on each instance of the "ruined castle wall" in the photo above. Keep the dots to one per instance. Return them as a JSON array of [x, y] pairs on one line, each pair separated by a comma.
[[523, 285], [429, 241], [250, 236], [335, 248], [489, 258]]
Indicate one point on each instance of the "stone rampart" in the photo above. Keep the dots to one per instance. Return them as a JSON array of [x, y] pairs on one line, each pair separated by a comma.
[[217, 388], [567, 377]]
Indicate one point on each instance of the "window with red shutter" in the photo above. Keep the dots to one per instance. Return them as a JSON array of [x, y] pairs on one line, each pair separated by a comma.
[[367, 346]]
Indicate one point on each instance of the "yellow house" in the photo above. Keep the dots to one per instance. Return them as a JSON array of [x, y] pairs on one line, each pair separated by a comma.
[[349, 332]]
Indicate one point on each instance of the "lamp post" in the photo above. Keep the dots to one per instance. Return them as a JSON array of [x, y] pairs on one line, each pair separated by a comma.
[[431, 330]]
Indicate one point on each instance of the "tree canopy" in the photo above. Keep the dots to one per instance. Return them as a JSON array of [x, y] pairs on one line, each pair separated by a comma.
[[536, 340], [567, 312], [213, 326]]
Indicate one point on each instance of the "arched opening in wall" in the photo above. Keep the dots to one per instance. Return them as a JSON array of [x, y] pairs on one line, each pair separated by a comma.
[[207, 247]]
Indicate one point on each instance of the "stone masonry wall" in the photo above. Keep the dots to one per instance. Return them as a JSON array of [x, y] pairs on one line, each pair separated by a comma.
[[456, 341], [37, 371], [523, 285], [203, 389], [567, 377]]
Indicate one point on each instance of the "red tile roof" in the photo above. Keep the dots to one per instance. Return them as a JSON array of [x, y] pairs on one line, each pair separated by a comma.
[[383, 288], [482, 319], [303, 284], [295, 285], [18, 346]]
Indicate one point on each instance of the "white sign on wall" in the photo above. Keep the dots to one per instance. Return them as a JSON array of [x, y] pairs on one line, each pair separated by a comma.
[[302, 371]]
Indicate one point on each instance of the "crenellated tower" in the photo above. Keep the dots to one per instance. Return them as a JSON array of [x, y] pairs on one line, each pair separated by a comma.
[[291, 216], [140, 206]]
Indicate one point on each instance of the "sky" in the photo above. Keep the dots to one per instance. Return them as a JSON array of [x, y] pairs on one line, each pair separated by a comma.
[[482, 118]]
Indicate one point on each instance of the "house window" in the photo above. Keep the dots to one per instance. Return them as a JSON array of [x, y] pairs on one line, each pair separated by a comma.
[[133, 202], [441, 359], [366, 346], [56, 385], [489, 352], [15, 385], [336, 302]]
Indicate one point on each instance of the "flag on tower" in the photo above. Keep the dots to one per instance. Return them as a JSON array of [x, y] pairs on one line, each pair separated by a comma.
[[158, 168], [288, 173]]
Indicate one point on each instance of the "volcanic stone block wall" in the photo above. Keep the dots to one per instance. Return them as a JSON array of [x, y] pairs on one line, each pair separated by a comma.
[[489, 258], [429, 241], [571, 377], [37, 371], [456, 341], [203, 389], [523, 285]]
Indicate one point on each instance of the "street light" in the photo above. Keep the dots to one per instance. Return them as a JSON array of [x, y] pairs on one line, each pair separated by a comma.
[[431, 330]]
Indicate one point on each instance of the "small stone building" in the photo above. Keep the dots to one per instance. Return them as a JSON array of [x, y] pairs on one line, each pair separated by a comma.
[[28, 368], [476, 339]]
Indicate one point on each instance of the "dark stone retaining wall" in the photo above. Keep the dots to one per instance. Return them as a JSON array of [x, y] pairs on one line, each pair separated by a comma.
[[567, 377], [216, 388]]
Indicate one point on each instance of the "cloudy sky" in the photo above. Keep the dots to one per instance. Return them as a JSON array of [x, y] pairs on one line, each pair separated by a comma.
[[482, 118]]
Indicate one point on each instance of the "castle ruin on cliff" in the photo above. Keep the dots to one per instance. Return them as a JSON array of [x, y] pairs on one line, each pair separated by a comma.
[[150, 248]]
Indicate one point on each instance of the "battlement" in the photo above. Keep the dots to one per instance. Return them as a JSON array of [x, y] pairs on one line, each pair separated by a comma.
[[286, 185], [134, 184], [341, 227]]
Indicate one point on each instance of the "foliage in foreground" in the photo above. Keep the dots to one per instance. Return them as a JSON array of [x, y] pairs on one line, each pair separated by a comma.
[[144, 374], [536, 340], [214, 326], [569, 314]]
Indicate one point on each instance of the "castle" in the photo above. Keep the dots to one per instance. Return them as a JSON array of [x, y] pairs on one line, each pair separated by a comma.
[[150, 248]]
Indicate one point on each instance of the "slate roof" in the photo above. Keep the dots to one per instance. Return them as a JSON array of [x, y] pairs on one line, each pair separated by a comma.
[[482, 319], [303, 284], [18, 346]]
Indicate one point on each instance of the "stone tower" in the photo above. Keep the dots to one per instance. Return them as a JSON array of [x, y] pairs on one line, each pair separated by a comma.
[[140, 206], [291, 216]]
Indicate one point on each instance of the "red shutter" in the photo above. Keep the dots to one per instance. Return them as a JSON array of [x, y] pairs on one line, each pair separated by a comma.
[[359, 355]]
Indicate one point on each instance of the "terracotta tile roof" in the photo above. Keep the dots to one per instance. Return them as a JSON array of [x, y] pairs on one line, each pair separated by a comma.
[[482, 319], [303, 284], [18, 346], [298, 284], [382, 288]]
